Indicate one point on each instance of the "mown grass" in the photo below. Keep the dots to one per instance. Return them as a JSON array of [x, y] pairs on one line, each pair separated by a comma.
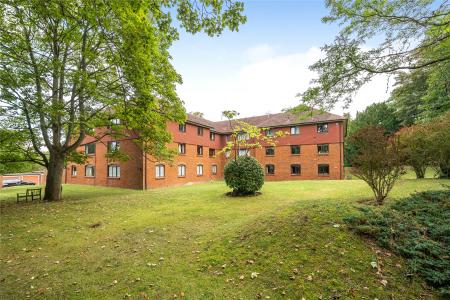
[[193, 242]]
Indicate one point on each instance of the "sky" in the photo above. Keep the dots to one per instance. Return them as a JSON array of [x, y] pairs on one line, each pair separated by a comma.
[[261, 68]]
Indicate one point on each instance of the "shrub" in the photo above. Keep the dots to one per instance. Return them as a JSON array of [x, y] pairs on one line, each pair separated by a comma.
[[377, 160], [416, 227], [244, 175]]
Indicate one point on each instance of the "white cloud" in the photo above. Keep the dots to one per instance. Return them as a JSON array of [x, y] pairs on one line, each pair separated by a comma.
[[259, 52], [265, 85]]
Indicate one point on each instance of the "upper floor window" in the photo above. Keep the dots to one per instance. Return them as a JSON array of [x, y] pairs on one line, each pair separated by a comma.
[[214, 169], [324, 170], [295, 149], [296, 169], [243, 152], [269, 132], [182, 127], [114, 171], [270, 151], [212, 152], [322, 128], [295, 130], [89, 171], [113, 146], [199, 150], [199, 170], [182, 148], [89, 149], [181, 170], [212, 136], [270, 169], [160, 171], [74, 171], [242, 136], [199, 130], [322, 149]]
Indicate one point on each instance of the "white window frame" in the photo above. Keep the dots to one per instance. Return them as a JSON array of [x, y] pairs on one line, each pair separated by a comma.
[[113, 171], [212, 136], [242, 153], [116, 146], [74, 170], [325, 126], [181, 170], [86, 147], [214, 169], [295, 130], [200, 147], [243, 136], [160, 171], [269, 132], [199, 170], [90, 167], [181, 148]]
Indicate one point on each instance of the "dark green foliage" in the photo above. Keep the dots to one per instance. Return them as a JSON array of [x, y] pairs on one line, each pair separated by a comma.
[[244, 175], [416, 227]]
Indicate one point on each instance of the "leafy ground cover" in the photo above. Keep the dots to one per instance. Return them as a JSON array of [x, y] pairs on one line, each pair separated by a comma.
[[416, 227], [194, 242]]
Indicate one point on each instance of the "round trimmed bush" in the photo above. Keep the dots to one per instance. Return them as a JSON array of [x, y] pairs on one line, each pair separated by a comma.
[[244, 175]]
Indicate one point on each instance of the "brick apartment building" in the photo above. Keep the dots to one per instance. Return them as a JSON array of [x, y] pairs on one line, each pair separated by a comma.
[[313, 148]]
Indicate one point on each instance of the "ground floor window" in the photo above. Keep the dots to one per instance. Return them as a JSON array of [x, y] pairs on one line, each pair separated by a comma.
[[89, 171], [296, 169], [181, 171], [324, 170], [322, 149], [74, 170], [270, 169], [214, 169], [199, 170], [159, 171], [114, 171]]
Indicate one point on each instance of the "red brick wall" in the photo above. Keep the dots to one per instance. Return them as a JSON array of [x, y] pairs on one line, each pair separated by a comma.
[[133, 176], [130, 170]]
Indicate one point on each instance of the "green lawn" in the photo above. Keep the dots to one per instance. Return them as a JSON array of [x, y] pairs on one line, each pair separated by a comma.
[[193, 242]]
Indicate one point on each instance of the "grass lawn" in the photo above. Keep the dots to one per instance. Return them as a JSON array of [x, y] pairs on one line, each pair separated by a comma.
[[193, 242]]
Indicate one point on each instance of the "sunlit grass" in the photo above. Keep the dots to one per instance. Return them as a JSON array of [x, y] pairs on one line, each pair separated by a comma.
[[195, 242]]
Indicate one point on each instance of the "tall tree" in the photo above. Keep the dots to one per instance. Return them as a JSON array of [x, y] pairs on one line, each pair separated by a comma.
[[378, 37], [70, 66]]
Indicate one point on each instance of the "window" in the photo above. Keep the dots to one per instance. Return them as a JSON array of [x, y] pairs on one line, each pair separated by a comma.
[[160, 171], [270, 169], [181, 171], [243, 152], [243, 136], [115, 121], [199, 130], [295, 130], [214, 169], [89, 149], [89, 171], [322, 149], [324, 170], [296, 169], [322, 128], [212, 136], [113, 146], [295, 149], [182, 148], [269, 132], [182, 127], [114, 171], [212, 152], [74, 171], [199, 170], [199, 150], [227, 154], [270, 151]]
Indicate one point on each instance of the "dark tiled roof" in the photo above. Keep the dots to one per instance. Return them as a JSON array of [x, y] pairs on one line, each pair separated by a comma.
[[269, 120]]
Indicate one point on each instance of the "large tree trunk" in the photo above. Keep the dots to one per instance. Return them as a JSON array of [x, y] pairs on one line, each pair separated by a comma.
[[54, 178], [420, 172]]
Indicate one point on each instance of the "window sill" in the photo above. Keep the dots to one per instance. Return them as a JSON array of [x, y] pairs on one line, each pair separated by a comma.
[[323, 132], [112, 177], [90, 154], [199, 175], [270, 174], [89, 176], [296, 174], [323, 175], [295, 154], [181, 176], [182, 154], [73, 176], [160, 178], [270, 155], [199, 155], [323, 154]]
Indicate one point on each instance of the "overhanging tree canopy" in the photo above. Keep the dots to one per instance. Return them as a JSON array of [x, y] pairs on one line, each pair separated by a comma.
[[69, 66]]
